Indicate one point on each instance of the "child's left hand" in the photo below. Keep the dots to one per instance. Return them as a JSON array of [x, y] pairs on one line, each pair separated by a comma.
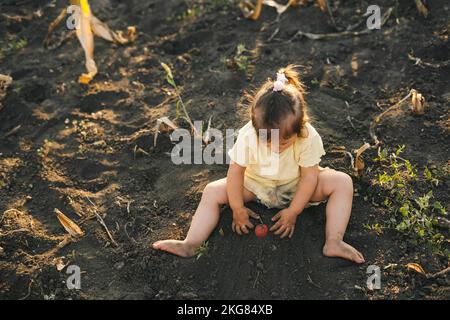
[[285, 224]]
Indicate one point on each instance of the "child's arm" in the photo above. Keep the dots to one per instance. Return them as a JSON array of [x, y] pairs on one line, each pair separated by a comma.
[[235, 186], [306, 186], [287, 217], [235, 192]]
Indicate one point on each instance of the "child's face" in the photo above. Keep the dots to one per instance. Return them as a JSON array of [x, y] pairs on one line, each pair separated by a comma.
[[283, 144]]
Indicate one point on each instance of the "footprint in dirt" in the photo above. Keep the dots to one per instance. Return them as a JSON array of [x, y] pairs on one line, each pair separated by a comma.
[[90, 170], [97, 101]]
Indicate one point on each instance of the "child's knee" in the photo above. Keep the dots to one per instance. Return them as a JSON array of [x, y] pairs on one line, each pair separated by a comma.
[[344, 181], [209, 188], [214, 190]]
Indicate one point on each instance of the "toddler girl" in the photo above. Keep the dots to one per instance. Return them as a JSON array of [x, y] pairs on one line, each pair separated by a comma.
[[275, 161]]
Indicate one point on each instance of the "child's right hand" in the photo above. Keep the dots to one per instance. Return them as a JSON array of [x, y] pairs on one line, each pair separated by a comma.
[[241, 222]]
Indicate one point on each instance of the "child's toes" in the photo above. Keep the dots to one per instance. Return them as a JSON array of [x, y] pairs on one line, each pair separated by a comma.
[[358, 257], [156, 245]]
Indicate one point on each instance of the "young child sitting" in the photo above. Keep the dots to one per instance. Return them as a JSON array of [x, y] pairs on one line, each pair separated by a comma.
[[275, 161]]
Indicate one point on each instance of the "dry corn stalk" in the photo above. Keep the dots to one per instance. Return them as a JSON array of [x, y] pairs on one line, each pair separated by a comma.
[[417, 102], [86, 38], [418, 106], [71, 227], [357, 164], [87, 25]]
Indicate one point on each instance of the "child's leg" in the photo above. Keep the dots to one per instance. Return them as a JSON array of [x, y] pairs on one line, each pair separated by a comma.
[[338, 188], [204, 221]]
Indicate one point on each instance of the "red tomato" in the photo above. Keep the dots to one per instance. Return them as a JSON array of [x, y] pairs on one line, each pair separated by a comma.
[[261, 230]]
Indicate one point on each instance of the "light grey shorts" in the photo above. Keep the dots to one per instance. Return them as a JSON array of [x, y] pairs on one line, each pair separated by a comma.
[[276, 196]]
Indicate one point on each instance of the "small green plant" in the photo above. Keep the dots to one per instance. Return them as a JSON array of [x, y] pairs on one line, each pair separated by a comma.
[[374, 227], [18, 88], [242, 58], [202, 250], [180, 106], [411, 214], [72, 255], [12, 47], [429, 176]]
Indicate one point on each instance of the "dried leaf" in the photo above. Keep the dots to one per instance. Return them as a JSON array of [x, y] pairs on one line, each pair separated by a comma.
[[279, 7], [421, 8], [418, 102], [416, 267], [159, 122], [59, 263], [71, 227], [102, 30]]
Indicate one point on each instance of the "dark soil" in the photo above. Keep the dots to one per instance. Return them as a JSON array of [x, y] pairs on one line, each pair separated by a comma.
[[77, 142]]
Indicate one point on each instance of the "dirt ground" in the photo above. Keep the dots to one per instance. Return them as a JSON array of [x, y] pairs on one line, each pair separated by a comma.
[[62, 143]]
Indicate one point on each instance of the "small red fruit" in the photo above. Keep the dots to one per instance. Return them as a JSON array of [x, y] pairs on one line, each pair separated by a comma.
[[261, 230]]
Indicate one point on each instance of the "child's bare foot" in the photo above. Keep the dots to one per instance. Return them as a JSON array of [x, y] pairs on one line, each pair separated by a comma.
[[177, 247], [338, 248]]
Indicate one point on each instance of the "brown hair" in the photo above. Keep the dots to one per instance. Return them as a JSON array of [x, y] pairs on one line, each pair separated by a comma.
[[270, 108]]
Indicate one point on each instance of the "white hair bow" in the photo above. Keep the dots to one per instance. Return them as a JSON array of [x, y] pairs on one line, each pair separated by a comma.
[[281, 81]]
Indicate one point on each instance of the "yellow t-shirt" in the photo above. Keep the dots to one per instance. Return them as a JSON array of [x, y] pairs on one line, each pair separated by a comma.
[[271, 168]]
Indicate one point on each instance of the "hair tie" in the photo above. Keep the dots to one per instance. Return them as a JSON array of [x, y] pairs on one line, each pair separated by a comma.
[[281, 81]]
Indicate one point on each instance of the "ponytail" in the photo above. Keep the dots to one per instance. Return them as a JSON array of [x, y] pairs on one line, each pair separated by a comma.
[[293, 77]]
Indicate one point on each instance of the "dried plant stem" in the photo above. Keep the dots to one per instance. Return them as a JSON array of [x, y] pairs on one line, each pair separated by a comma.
[[102, 223], [438, 274], [420, 62], [321, 36], [379, 117]]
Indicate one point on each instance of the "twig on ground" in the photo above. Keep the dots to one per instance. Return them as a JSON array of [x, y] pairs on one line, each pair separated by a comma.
[[102, 223], [438, 274], [68, 239], [256, 280], [13, 232], [12, 131], [321, 36], [29, 290], [379, 117], [308, 277], [420, 62], [126, 232]]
